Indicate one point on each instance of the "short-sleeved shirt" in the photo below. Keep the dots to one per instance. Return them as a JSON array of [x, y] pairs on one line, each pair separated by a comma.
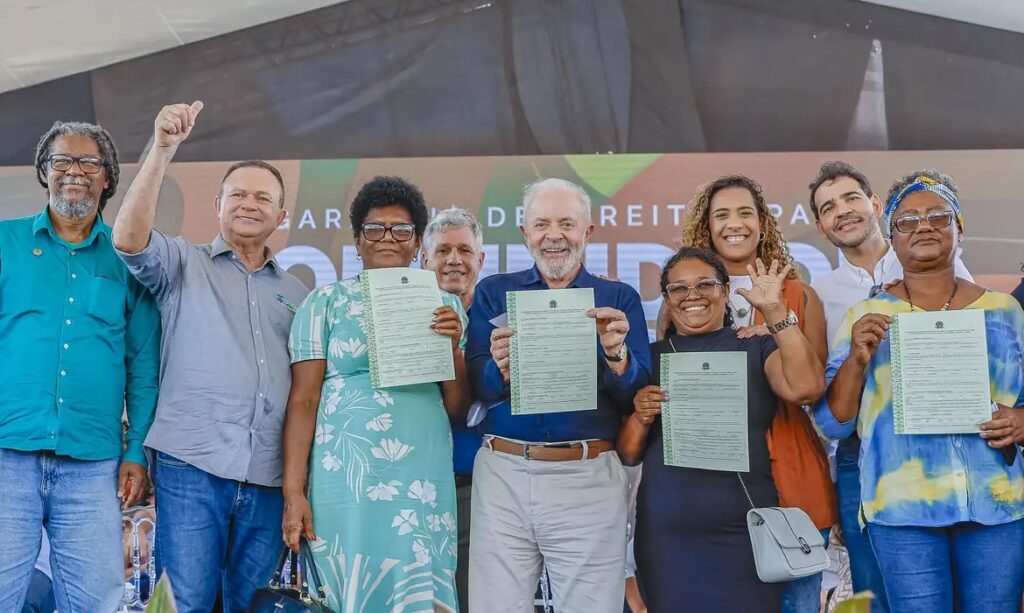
[[225, 372], [761, 402]]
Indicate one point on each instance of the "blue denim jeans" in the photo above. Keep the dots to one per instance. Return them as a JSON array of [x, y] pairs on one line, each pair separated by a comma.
[[214, 534], [76, 501], [863, 566], [804, 595], [966, 567]]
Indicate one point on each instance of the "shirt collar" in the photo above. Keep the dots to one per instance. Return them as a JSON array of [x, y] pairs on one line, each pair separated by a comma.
[[219, 246], [583, 278], [888, 262], [42, 222], [881, 268]]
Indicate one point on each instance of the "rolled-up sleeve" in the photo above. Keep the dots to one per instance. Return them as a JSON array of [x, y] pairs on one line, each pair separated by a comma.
[[158, 267]]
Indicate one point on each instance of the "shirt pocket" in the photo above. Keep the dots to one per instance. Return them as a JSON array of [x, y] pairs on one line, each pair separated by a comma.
[[107, 301]]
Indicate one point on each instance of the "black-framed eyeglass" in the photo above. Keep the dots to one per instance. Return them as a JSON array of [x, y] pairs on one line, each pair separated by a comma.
[[401, 232], [708, 288], [910, 223], [63, 163]]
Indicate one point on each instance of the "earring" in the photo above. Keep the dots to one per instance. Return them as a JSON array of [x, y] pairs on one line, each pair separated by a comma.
[[359, 257], [761, 238], [415, 258]]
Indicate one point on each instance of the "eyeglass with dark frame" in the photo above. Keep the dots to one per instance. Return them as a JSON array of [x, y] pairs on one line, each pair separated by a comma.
[[708, 288], [910, 223], [62, 163], [401, 232]]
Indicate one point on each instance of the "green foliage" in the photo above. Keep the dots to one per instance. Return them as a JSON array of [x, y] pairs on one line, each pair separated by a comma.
[[162, 600], [858, 603]]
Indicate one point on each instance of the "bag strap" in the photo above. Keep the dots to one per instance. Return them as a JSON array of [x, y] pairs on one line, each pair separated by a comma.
[[275, 581], [782, 498], [744, 485], [310, 573]]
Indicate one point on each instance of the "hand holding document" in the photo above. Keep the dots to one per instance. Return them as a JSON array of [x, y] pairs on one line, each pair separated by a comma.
[[553, 353], [704, 423], [399, 306], [940, 380]]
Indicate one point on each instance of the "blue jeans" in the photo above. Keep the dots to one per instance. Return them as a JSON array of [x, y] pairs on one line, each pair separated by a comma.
[[804, 595], [214, 534], [76, 502], [863, 566], [966, 567]]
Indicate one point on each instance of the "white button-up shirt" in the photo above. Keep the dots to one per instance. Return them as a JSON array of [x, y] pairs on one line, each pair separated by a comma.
[[848, 284]]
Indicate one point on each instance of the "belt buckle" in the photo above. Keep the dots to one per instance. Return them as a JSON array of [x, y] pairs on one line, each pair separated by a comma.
[[526, 452]]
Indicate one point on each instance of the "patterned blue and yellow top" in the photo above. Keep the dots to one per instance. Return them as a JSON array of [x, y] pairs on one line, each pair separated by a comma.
[[932, 479]]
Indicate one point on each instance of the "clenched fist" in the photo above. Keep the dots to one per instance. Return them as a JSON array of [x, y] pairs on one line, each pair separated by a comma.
[[869, 331], [174, 123]]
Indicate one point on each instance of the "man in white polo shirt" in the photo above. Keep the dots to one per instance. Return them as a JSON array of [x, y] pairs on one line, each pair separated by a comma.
[[846, 212]]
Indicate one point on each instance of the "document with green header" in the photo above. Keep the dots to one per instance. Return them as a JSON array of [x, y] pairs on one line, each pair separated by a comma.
[[553, 354], [399, 304], [940, 382], [704, 423]]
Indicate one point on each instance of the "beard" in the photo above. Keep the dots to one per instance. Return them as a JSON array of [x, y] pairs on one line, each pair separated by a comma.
[[74, 210], [561, 270], [856, 241]]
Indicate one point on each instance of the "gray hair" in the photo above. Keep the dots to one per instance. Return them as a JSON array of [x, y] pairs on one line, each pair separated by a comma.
[[535, 189], [452, 219], [108, 152]]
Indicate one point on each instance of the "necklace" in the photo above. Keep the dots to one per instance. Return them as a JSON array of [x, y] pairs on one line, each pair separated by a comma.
[[743, 313], [945, 307]]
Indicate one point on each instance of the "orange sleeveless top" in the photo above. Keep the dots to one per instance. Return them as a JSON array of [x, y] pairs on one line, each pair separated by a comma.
[[799, 462]]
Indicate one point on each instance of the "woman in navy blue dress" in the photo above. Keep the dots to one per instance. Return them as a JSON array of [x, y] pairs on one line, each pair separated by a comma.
[[693, 550]]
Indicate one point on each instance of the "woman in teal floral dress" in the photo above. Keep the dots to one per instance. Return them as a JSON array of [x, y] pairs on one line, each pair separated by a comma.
[[380, 513]]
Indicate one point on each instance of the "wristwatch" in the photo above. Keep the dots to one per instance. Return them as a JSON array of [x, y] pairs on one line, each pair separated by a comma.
[[791, 320], [618, 357]]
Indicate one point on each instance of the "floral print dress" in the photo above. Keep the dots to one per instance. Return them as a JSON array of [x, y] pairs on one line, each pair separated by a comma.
[[380, 480]]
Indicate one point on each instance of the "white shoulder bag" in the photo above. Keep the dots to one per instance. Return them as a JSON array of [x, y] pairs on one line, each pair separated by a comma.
[[786, 543]]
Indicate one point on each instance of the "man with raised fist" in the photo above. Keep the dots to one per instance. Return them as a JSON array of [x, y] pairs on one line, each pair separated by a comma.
[[226, 309]]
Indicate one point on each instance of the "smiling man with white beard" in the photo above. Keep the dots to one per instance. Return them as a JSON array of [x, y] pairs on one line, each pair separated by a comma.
[[549, 488]]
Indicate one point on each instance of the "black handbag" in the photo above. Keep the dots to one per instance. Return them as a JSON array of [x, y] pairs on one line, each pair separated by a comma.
[[295, 596]]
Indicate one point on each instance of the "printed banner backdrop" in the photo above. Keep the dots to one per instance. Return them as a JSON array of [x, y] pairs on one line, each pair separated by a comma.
[[639, 203]]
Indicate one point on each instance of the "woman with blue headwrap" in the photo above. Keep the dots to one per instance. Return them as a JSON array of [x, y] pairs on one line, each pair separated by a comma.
[[943, 511]]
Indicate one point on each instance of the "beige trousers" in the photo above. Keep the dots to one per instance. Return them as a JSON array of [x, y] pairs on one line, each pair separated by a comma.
[[569, 516]]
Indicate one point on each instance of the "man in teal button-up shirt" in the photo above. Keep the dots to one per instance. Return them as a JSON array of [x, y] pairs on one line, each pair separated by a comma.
[[81, 344]]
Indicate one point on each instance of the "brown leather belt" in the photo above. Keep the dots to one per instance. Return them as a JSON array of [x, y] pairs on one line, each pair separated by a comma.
[[556, 452]]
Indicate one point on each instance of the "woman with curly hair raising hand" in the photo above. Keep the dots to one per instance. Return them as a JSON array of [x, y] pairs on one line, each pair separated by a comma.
[[730, 217]]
